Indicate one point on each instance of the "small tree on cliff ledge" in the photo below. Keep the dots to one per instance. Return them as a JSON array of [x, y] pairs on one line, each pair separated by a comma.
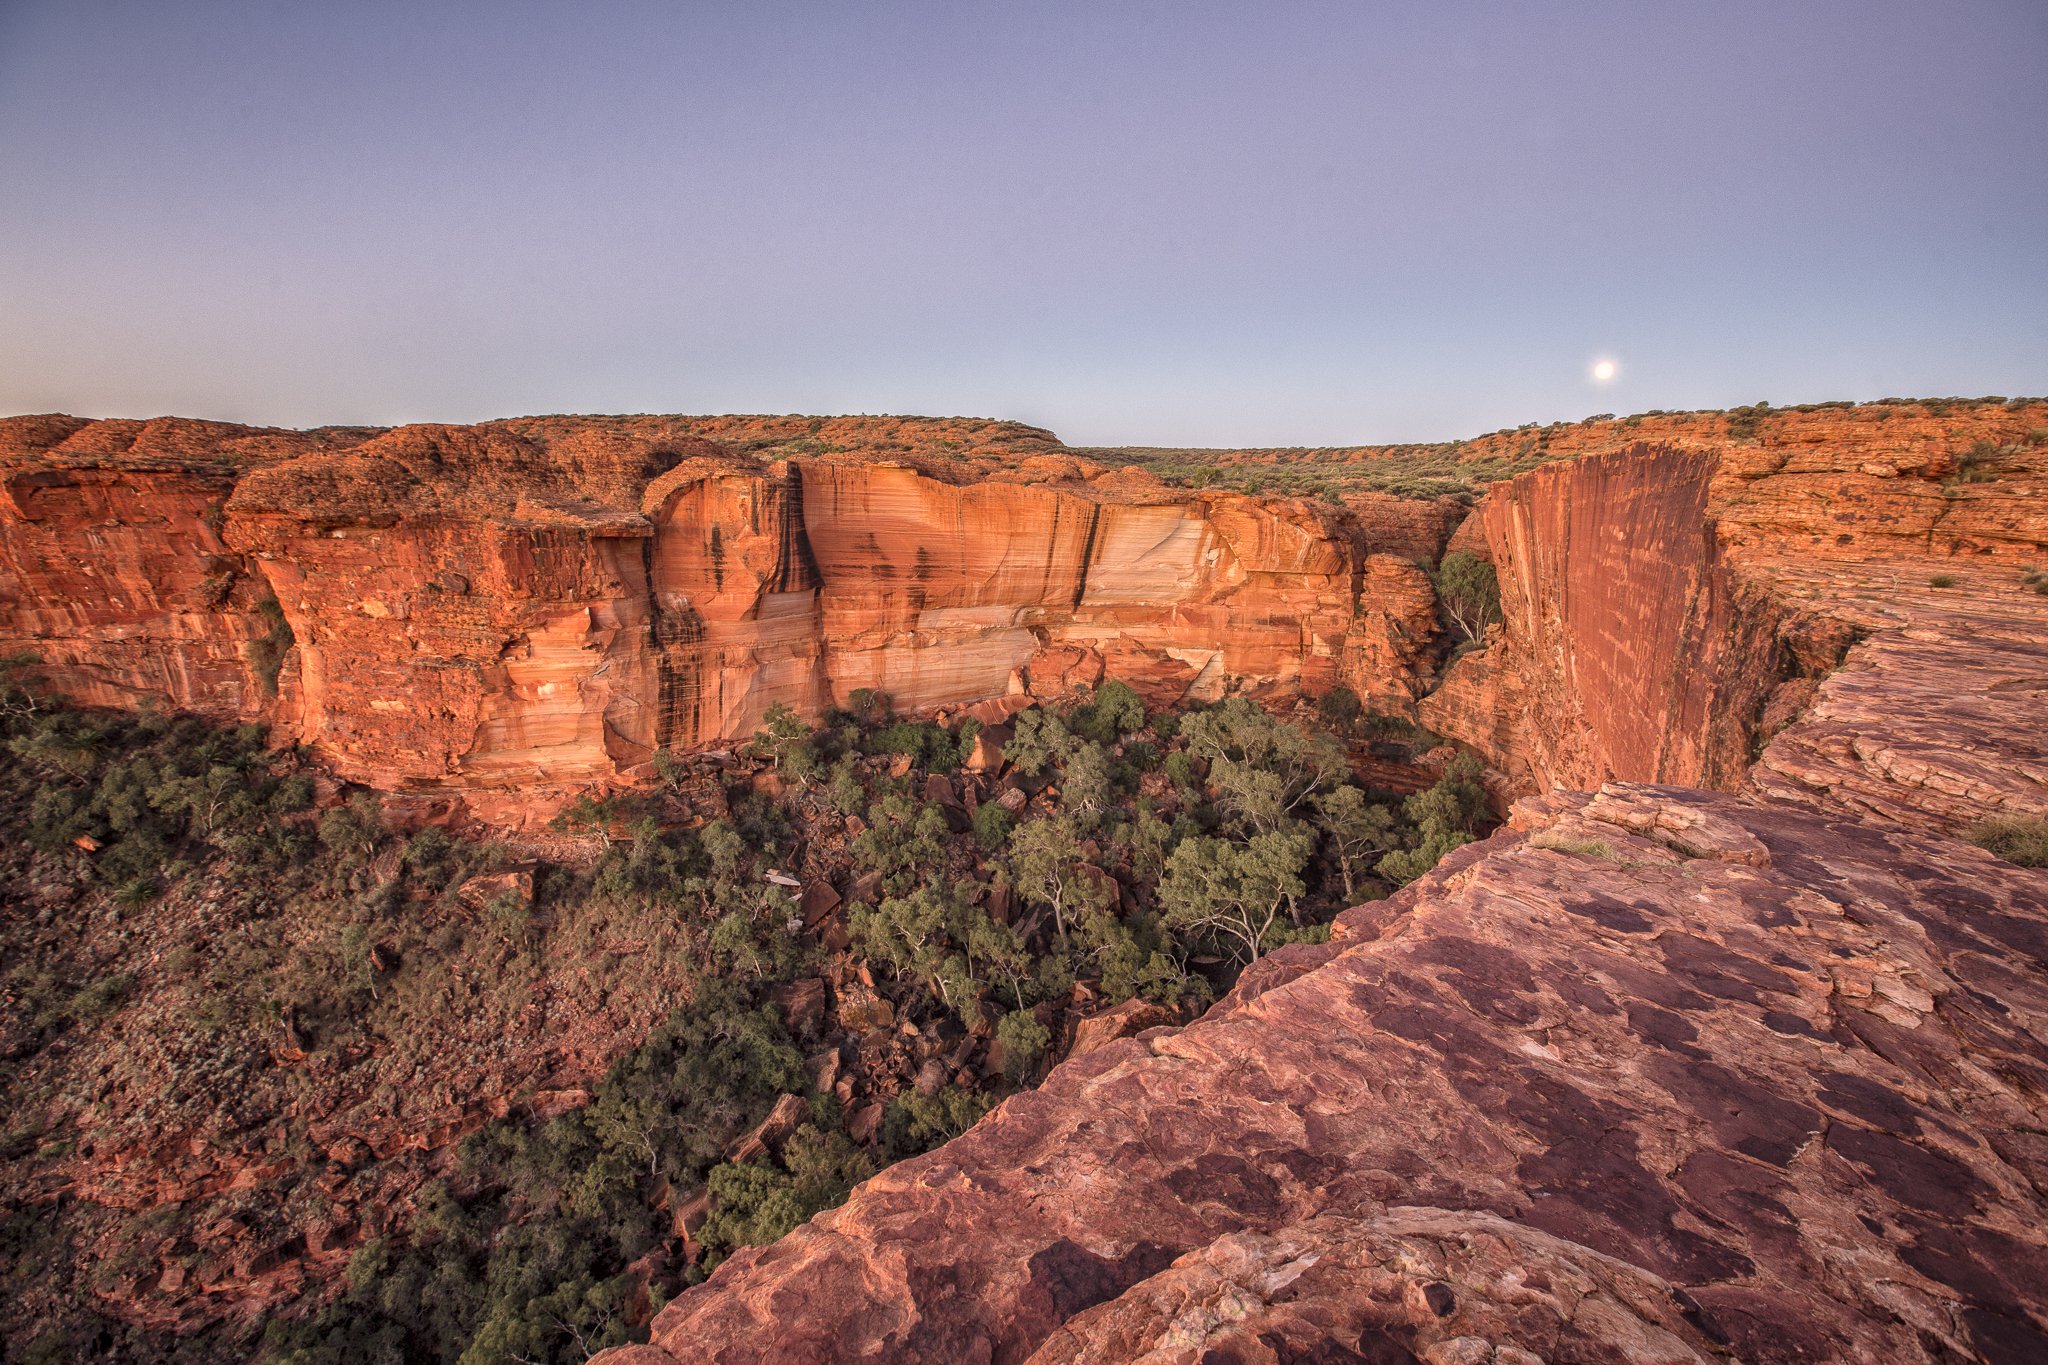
[[1468, 592]]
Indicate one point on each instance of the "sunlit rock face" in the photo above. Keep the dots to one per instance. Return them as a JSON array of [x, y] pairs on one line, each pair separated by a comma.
[[470, 606], [1668, 612], [936, 592], [113, 568], [1624, 649], [506, 612]]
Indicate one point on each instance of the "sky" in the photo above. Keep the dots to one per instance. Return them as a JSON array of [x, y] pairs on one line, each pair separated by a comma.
[[1171, 223]]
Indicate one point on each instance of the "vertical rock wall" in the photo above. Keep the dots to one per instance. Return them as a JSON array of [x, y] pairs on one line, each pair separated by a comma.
[[1627, 648]]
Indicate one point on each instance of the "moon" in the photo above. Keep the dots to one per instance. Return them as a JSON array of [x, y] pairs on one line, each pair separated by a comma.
[[1604, 371]]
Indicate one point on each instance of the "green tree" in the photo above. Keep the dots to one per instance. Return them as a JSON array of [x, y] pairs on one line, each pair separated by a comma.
[[905, 840], [992, 825], [845, 789], [1234, 890], [1023, 1040], [1468, 591], [1339, 709], [938, 936], [784, 739], [1358, 832], [1038, 739], [1115, 711], [1262, 768], [1446, 816], [1088, 781], [1049, 870], [754, 1203]]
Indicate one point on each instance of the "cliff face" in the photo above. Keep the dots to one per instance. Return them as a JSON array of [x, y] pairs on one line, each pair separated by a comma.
[[501, 612], [1623, 650], [113, 569], [498, 614], [1667, 611]]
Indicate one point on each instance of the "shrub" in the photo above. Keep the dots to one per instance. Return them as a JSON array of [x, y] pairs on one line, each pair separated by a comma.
[[2021, 840], [1339, 708], [1942, 580], [100, 999], [1038, 740], [1566, 843], [1023, 1040], [992, 825], [1114, 712]]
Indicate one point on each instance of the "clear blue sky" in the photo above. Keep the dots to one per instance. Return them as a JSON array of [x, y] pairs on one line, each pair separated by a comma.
[[1164, 223]]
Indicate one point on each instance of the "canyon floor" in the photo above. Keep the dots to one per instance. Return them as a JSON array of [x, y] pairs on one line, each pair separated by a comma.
[[1730, 1042]]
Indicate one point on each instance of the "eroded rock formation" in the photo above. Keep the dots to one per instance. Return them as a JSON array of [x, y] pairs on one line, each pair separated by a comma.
[[1668, 611], [1655, 1073], [499, 611]]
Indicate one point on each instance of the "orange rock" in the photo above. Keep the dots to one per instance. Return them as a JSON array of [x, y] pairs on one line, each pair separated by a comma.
[[1670, 611], [511, 612], [1118, 1021]]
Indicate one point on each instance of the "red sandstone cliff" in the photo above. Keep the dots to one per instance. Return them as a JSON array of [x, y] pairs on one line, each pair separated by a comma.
[[113, 569], [502, 611], [1655, 1074], [499, 612], [1667, 611]]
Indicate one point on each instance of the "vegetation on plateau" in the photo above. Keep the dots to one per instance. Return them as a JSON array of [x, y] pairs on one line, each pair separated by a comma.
[[1462, 469]]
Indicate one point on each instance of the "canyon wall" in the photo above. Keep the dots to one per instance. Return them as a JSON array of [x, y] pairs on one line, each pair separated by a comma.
[[500, 614], [1624, 650], [503, 613], [113, 568], [1667, 612]]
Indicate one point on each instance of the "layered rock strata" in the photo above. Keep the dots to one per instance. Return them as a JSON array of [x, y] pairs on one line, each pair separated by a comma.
[[1668, 611], [113, 568], [503, 611]]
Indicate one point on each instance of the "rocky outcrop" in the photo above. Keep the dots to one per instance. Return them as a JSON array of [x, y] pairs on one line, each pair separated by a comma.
[[1437, 1285], [1653, 1074], [1624, 648], [113, 569]]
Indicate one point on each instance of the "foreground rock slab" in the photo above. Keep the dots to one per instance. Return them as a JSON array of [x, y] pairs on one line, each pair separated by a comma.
[[1654, 1074]]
